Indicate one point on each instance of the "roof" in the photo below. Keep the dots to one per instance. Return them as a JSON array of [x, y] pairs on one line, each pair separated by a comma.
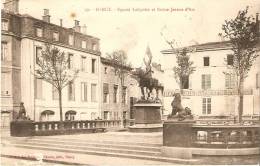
[[49, 23], [111, 63], [209, 46]]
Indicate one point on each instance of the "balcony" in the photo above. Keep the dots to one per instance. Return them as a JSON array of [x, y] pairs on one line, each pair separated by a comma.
[[209, 92]]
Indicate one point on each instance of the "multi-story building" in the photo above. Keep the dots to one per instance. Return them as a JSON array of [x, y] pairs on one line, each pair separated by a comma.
[[116, 99], [210, 90], [23, 38]]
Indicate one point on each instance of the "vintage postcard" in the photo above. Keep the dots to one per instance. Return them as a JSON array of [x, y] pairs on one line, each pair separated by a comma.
[[130, 82]]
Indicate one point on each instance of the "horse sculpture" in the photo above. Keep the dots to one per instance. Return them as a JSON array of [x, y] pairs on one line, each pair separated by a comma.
[[177, 109]]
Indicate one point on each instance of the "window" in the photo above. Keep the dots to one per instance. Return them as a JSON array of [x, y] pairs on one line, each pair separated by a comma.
[[38, 88], [39, 32], [71, 40], [84, 94], [206, 81], [70, 115], [206, 106], [93, 66], [124, 99], [55, 94], [257, 80], [70, 61], [83, 63], [83, 44], [229, 81], [115, 93], [71, 91], [55, 36], [4, 25], [105, 70], [93, 92], [206, 61], [47, 115], [230, 59], [106, 115], [4, 51], [105, 93], [93, 116], [94, 46], [5, 84], [185, 82], [38, 54]]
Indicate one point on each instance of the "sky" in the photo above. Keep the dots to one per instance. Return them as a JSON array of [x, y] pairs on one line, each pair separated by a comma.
[[132, 25]]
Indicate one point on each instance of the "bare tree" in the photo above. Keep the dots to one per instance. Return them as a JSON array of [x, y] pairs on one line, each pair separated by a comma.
[[53, 66], [184, 66], [242, 34]]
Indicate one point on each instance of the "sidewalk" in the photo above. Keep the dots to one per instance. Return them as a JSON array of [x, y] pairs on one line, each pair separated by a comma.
[[74, 159]]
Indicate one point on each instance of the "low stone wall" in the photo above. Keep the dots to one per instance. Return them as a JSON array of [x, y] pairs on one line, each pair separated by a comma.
[[182, 139], [30, 128]]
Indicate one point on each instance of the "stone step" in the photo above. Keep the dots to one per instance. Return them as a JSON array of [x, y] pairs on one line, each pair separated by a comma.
[[101, 153], [108, 141], [89, 148], [88, 143]]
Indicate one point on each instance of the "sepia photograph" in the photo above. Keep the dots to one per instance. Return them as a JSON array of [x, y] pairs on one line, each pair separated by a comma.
[[130, 82]]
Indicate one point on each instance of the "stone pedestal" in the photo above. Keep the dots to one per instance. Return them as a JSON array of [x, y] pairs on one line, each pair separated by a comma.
[[177, 138], [23, 128], [147, 118]]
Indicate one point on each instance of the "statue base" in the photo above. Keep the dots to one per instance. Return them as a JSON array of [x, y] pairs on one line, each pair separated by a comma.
[[147, 118]]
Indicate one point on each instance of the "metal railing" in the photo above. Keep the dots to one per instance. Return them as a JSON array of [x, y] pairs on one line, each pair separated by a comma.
[[226, 136]]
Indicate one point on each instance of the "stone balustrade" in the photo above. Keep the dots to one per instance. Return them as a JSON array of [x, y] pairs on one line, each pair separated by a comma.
[[64, 127]]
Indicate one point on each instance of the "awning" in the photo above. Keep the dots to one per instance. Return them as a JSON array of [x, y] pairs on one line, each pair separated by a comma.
[[71, 112], [48, 112]]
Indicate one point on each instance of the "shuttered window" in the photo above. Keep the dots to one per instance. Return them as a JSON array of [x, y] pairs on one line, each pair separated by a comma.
[[229, 81], [84, 94], [93, 92], [206, 81], [105, 93]]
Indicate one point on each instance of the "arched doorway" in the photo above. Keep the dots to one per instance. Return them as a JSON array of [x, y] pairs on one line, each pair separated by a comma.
[[70, 115], [47, 115]]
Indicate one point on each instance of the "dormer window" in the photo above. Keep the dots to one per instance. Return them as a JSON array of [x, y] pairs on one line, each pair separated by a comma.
[[4, 25], [71, 40], [55, 36], [94, 46], [39, 32], [83, 44]]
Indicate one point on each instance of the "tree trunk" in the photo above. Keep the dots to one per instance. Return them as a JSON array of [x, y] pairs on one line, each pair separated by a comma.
[[240, 108], [241, 101], [60, 104]]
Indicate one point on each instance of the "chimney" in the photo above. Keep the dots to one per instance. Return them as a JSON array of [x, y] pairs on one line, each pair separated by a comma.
[[61, 22], [76, 26], [84, 29], [12, 6], [46, 17]]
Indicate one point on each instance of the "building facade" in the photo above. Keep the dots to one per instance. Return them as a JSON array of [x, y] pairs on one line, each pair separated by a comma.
[[23, 39], [117, 101], [210, 90]]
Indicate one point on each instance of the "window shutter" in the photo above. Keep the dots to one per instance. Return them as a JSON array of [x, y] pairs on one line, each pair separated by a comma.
[[203, 81], [190, 80], [209, 81], [105, 88], [226, 80]]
